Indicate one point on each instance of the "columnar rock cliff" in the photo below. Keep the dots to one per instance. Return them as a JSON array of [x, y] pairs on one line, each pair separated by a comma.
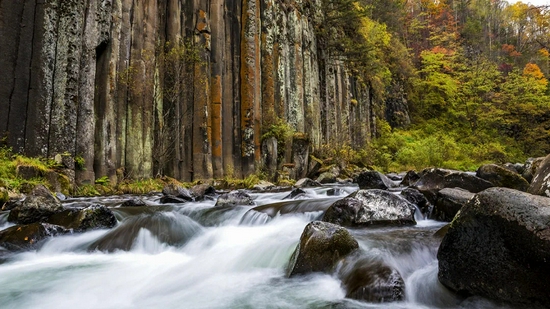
[[184, 88]]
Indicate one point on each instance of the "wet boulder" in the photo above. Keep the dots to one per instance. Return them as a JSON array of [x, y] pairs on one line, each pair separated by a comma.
[[263, 186], [307, 183], [417, 198], [320, 248], [23, 237], [133, 202], [373, 180], [81, 220], [235, 198], [371, 280], [541, 181], [530, 168], [203, 191], [498, 246], [335, 192], [371, 207], [448, 202], [410, 178], [502, 177], [295, 193], [170, 199], [434, 179], [38, 206], [180, 192]]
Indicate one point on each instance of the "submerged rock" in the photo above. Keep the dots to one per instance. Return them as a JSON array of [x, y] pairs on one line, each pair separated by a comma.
[[373, 180], [448, 202], [23, 237], [371, 207], [371, 280], [170, 199], [498, 247], [502, 177], [81, 220], [235, 198], [321, 246], [36, 207]]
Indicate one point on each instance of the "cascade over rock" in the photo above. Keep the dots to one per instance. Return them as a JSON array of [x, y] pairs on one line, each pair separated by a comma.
[[105, 81]]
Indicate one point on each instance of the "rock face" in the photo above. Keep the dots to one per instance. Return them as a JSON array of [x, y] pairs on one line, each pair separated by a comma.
[[90, 78], [22, 237], [371, 281], [234, 198], [371, 207], [321, 246], [373, 180], [541, 181], [502, 177], [498, 246], [449, 202]]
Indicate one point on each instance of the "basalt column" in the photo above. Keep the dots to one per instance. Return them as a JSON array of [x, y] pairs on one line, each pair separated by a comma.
[[250, 85]]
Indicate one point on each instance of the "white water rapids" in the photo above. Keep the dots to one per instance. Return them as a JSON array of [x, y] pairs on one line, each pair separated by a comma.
[[210, 260]]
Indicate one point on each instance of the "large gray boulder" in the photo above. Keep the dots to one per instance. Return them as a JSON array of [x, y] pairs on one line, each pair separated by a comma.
[[374, 180], [498, 246], [38, 206], [502, 177], [307, 183], [541, 181], [371, 280], [371, 207], [23, 237], [321, 246], [448, 202]]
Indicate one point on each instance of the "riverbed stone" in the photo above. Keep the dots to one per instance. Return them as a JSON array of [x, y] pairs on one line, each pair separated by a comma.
[[177, 191], [321, 246], [448, 202], [371, 280], [500, 176], [295, 193], [307, 183], [235, 198], [203, 191], [530, 168], [85, 219], [498, 246], [38, 206], [373, 180], [371, 207], [417, 198], [23, 237]]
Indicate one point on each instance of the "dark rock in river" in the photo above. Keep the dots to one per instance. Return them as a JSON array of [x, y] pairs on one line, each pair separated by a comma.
[[502, 177], [411, 177], [530, 168], [36, 207], [498, 247], [373, 180], [307, 183], [177, 191], [335, 192], [170, 199], [327, 177], [296, 192], [371, 207], [434, 179], [448, 202], [133, 202], [22, 237], [417, 198], [200, 192], [321, 246], [81, 220], [371, 281], [541, 181], [235, 198]]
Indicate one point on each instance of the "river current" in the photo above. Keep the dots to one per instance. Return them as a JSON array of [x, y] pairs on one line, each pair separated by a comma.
[[193, 255]]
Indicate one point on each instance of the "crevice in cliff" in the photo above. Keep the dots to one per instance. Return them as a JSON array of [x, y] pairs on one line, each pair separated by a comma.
[[29, 70], [52, 99]]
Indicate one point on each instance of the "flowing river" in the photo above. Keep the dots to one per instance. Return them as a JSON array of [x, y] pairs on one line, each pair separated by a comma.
[[196, 256]]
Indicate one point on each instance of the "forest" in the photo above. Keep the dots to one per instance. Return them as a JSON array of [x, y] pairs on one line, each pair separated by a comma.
[[474, 73]]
